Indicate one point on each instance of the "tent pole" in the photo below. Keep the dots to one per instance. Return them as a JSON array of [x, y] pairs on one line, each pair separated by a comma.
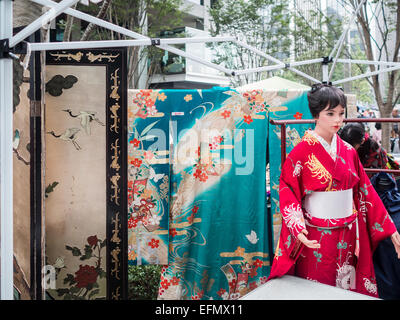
[[129, 33], [345, 31], [260, 69], [120, 43], [326, 73], [368, 74], [342, 39], [268, 57], [6, 154], [304, 75], [41, 21], [382, 63], [278, 66], [325, 69]]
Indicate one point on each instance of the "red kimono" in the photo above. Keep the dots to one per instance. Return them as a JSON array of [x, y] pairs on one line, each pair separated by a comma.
[[345, 257]]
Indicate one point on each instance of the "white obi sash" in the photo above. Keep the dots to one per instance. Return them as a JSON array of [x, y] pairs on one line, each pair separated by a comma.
[[330, 204]]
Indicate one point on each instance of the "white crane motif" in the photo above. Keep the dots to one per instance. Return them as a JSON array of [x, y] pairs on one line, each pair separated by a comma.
[[86, 117], [68, 135]]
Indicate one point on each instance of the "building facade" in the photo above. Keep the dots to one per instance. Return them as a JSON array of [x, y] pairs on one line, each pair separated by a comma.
[[180, 73]]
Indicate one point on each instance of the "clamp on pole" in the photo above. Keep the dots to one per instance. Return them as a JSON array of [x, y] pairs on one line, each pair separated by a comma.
[[327, 60], [5, 51], [4, 48], [155, 41], [325, 69]]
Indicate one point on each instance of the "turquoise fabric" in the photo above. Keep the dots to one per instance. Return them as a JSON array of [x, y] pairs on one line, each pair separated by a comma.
[[218, 225], [297, 108], [219, 243], [148, 180]]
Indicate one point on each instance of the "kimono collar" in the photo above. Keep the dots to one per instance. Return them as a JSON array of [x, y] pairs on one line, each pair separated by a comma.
[[330, 148]]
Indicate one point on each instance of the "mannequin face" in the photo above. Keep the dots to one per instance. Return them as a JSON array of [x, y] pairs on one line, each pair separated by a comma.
[[329, 122]]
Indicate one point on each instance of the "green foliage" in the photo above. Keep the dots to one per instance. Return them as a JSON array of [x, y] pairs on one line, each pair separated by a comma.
[[143, 282], [145, 17], [132, 14], [317, 40], [263, 24], [314, 35], [361, 88], [62, 24]]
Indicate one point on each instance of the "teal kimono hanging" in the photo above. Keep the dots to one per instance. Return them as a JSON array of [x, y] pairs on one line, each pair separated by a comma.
[[218, 245], [293, 106], [210, 158], [148, 179]]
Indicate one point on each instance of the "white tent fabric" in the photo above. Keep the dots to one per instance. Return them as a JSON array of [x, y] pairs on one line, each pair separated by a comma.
[[274, 83]]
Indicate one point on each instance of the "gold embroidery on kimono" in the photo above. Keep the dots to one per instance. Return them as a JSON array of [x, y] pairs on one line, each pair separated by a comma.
[[318, 171], [310, 139]]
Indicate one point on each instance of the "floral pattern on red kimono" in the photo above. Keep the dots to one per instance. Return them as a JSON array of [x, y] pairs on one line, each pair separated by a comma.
[[345, 257]]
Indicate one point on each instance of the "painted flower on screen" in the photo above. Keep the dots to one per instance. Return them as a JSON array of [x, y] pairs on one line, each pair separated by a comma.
[[85, 275]]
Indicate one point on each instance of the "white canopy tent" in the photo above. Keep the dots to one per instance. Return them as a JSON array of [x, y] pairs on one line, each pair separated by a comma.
[[8, 41], [274, 83]]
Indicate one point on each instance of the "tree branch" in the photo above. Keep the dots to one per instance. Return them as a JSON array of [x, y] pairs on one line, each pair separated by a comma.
[[68, 26], [100, 15]]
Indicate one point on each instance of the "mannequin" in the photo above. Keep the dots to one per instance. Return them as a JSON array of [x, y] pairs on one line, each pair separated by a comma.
[[333, 218]]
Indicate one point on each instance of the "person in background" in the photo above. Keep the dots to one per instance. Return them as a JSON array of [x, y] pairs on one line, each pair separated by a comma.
[[371, 153], [377, 135], [394, 139], [329, 208], [386, 265]]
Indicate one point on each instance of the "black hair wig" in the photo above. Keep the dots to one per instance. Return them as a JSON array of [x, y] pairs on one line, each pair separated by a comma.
[[323, 95]]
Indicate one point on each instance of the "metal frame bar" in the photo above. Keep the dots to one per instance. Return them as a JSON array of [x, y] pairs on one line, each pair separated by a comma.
[[270, 58], [339, 44], [115, 28], [165, 45], [132, 34], [367, 74], [119, 43], [6, 158], [41, 21], [379, 63], [278, 66], [283, 123]]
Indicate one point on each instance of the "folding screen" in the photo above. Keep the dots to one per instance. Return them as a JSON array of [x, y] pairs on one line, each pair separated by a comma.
[[85, 173], [22, 184]]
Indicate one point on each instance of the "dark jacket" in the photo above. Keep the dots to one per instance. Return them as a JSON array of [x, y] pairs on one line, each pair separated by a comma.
[[386, 263]]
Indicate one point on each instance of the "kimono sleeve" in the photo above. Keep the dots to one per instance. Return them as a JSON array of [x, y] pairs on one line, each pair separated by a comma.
[[379, 223], [290, 195]]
